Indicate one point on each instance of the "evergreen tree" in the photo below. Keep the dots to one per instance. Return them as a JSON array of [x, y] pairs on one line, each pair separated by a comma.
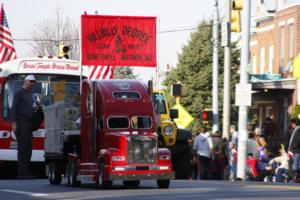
[[124, 73], [194, 71]]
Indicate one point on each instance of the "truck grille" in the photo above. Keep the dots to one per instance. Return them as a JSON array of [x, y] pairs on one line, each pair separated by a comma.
[[141, 150]]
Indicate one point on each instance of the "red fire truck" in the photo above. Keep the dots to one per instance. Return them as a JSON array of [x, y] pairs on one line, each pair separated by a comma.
[[56, 79], [116, 139]]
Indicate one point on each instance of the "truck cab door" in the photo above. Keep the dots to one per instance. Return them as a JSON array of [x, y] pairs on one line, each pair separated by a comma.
[[87, 134]]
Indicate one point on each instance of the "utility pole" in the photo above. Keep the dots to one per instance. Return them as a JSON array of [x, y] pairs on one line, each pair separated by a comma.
[[227, 73], [243, 109], [215, 68], [57, 13]]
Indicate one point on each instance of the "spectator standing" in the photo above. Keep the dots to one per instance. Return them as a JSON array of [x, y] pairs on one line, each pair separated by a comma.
[[233, 147], [252, 145], [292, 126], [194, 160], [219, 162], [268, 129], [203, 147], [23, 112], [294, 150]]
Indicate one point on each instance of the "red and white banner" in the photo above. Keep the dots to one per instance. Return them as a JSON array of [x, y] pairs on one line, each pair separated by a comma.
[[118, 40], [100, 72]]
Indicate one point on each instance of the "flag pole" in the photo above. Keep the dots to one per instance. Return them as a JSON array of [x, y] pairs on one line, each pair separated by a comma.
[[157, 57], [80, 54]]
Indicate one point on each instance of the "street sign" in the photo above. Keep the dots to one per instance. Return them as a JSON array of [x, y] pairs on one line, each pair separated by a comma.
[[184, 118], [243, 95]]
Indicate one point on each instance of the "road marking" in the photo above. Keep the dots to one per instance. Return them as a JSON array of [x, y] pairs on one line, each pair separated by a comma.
[[24, 192], [282, 187]]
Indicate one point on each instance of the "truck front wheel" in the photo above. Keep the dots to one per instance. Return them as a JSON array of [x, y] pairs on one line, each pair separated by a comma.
[[72, 175], [54, 173], [103, 183], [163, 184]]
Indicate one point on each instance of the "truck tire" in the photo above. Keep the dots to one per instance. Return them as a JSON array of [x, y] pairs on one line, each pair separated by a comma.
[[54, 173], [163, 184], [131, 183], [103, 183], [72, 175]]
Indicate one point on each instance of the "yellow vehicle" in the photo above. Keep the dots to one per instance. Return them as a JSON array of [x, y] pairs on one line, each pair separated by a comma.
[[172, 137]]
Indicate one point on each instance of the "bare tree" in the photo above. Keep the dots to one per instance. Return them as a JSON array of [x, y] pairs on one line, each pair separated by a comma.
[[48, 34]]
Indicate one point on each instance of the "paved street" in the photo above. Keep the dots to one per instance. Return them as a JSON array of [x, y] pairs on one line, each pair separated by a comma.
[[180, 189]]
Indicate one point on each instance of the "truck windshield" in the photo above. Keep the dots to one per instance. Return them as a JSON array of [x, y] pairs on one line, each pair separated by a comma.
[[118, 122], [126, 95], [141, 122], [47, 90], [159, 103]]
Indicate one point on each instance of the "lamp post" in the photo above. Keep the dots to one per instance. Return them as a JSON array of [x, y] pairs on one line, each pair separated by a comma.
[[243, 109], [215, 41]]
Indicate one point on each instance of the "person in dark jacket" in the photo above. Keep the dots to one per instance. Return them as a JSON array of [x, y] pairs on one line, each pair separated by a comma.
[[23, 112], [219, 161], [294, 150]]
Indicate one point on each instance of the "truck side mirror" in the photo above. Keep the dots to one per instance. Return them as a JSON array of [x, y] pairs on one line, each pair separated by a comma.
[[173, 113], [150, 88]]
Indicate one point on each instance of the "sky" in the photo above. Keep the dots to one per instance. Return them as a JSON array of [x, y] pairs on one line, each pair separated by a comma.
[[172, 15]]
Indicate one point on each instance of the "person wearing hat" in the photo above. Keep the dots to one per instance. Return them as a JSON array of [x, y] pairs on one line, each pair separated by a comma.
[[22, 115]]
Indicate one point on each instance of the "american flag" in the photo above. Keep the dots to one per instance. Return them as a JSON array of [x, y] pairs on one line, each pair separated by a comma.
[[7, 50], [101, 72]]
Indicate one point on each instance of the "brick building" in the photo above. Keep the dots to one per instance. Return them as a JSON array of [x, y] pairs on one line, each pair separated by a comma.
[[274, 43]]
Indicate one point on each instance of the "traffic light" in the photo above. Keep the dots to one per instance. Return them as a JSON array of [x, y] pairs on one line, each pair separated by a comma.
[[207, 116], [237, 6], [63, 51], [176, 90]]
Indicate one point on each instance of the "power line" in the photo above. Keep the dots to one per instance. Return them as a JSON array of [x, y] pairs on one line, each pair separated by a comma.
[[177, 30], [75, 39], [185, 29]]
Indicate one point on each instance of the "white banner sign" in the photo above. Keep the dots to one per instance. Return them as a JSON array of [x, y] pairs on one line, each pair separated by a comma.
[[243, 95]]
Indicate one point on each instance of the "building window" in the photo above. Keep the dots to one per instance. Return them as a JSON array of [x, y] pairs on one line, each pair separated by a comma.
[[262, 60], [291, 41], [282, 45], [254, 64], [271, 59]]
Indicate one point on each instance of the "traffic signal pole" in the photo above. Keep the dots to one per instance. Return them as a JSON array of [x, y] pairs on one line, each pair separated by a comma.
[[227, 74], [243, 110], [215, 68]]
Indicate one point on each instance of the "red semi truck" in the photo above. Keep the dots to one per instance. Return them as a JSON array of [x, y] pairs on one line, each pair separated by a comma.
[[115, 137]]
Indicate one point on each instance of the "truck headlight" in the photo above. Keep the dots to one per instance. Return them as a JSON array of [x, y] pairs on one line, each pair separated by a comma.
[[168, 130], [118, 158]]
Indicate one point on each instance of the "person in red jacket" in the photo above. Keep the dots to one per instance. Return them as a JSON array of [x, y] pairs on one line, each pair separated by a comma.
[[251, 170]]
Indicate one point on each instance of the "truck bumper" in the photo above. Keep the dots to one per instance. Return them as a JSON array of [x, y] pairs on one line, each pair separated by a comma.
[[144, 176]]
